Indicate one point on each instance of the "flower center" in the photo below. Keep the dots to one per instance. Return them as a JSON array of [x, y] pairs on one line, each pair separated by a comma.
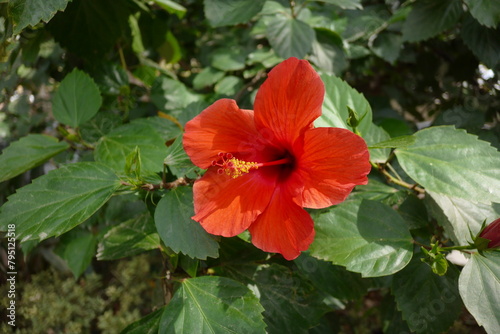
[[233, 167]]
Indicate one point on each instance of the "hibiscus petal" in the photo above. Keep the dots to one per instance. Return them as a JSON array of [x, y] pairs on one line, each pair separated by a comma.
[[222, 127], [332, 162], [284, 227], [226, 206], [288, 101]]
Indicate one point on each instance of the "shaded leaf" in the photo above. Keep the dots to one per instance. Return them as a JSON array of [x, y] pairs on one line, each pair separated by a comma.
[[454, 163], [479, 285], [27, 153], [332, 279], [77, 99], [172, 7], [211, 304], [402, 141], [176, 228], [483, 42], [30, 12], [429, 303], [230, 12], [429, 18], [178, 161], [375, 135], [365, 236], [77, 248], [487, 12], [129, 238], [58, 201], [344, 4], [291, 304], [150, 324]]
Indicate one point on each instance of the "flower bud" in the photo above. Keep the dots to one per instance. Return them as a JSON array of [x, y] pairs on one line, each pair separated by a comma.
[[492, 233]]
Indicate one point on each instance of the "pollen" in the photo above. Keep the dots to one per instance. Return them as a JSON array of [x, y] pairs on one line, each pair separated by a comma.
[[233, 167]]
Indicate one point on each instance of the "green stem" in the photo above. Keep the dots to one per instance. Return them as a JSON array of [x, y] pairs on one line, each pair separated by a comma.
[[457, 248]]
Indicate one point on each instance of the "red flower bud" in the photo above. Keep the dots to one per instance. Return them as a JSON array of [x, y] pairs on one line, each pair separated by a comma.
[[492, 233]]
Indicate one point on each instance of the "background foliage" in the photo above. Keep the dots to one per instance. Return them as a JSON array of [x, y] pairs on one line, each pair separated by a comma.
[[94, 97]]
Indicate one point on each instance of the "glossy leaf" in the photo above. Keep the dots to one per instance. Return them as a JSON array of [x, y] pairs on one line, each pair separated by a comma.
[[27, 153], [129, 238], [365, 236], [402, 141], [212, 304], [58, 201], [339, 97], [292, 305], [479, 285], [487, 12], [176, 228], [454, 163], [428, 18], [113, 148], [429, 303], [461, 217], [289, 37], [30, 12], [77, 99], [230, 12], [375, 135], [77, 248]]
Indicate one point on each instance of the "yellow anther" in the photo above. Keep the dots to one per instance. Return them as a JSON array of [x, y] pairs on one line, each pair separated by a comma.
[[235, 168]]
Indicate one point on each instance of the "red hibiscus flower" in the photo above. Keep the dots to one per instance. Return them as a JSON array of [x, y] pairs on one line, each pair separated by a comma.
[[492, 233], [265, 166]]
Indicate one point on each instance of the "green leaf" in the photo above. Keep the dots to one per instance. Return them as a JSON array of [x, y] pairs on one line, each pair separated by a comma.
[[231, 12], [327, 52], [77, 248], [172, 7], [207, 77], [452, 162], [176, 228], [344, 4], [429, 303], [334, 280], [30, 12], [387, 46], [178, 161], [130, 238], [211, 304], [402, 141], [291, 303], [378, 191], [229, 86], [483, 42], [479, 284], [374, 135], [289, 37], [81, 26], [365, 236], [58, 201], [429, 18], [27, 153], [459, 216], [113, 148], [487, 12], [77, 99], [229, 58], [150, 324], [338, 98], [169, 94]]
